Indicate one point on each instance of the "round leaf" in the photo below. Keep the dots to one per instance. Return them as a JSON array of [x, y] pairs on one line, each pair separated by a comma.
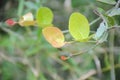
[[79, 26], [44, 17], [54, 36]]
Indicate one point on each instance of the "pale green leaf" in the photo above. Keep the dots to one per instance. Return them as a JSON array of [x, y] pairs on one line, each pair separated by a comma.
[[100, 31], [79, 26], [114, 12], [112, 2], [44, 17], [103, 37]]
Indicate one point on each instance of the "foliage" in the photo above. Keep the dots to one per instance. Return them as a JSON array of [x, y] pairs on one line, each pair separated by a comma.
[[80, 53]]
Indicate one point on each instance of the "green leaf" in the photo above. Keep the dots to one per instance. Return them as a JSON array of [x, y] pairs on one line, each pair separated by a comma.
[[79, 26], [100, 10], [103, 37], [110, 20], [114, 12], [112, 2], [100, 31], [44, 17]]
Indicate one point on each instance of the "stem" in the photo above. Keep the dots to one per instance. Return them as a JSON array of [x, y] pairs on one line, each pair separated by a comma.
[[94, 21], [98, 65], [81, 52], [91, 23], [117, 4], [11, 32], [94, 72], [20, 7], [111, 44]]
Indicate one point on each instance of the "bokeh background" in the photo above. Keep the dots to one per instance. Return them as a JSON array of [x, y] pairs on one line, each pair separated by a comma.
[[26, 55]]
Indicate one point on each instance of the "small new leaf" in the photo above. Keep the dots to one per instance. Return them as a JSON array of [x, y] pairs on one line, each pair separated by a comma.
[[27, 20]]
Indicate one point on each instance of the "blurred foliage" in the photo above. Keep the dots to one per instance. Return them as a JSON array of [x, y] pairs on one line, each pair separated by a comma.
[[25, 54]]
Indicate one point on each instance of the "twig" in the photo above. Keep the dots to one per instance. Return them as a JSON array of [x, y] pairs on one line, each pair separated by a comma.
[[20, 7], [111, 46], [11, 32], [94, 72], [94, 21], [114, 27], [81, 52], [117, 4], [91, 23], [98, 65], [24, 61]]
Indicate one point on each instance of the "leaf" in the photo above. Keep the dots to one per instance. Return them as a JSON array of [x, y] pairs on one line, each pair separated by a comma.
[[102, 28], [79, 26], [110, 20], [100, 10], [28, 17], [54, 36], [103, 37], [44, 17], [115, 11], [27, 20], [27, 23], [112, 2]]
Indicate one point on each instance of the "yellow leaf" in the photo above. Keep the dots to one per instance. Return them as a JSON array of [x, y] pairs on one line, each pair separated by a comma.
[[54, 36], [26, 23]]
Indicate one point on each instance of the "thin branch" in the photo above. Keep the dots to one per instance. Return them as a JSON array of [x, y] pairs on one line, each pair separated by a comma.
[[94, 72], [111, 46], [14, 60], [11, 32], [94, 21], [98, 65], [114, 27], [91, 23], [117, 4], [81, 52]]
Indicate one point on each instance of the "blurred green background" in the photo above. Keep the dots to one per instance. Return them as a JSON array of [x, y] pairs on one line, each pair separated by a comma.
[[26, 55]]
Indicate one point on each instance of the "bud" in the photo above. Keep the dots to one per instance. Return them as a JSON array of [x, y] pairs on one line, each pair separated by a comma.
[[63, 58], [10, 22]]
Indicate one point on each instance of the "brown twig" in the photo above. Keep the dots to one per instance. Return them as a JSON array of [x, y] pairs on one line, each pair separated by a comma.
[[94, 72]]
